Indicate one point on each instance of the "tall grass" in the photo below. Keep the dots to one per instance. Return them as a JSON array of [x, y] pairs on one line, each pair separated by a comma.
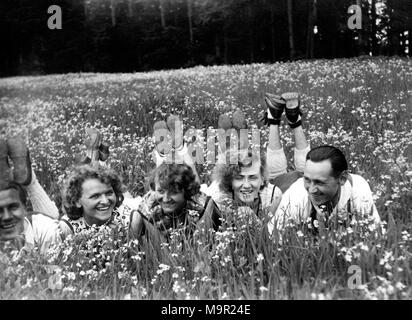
[[242, 262]]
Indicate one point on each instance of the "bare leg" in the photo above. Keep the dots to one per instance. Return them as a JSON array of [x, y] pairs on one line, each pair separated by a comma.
[[300, 138], [302, 147], [293, 115], [92, 145], [274, 138], [276, 162]]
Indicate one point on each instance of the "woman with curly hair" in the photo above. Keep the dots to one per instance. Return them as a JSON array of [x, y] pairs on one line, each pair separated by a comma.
[[244, 184], [174, 202], [252, 182], [93, 196]]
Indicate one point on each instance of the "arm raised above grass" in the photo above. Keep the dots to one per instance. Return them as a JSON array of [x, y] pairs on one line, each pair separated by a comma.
[[40, 200]]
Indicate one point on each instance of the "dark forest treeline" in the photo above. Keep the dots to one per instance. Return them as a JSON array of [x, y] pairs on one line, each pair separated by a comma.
[[138, 35]]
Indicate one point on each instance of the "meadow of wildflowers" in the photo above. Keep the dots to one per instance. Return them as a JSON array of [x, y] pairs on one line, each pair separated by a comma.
[[361, 105]]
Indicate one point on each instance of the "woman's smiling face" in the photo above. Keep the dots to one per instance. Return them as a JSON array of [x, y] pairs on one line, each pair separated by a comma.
[[98, 201], [246, 184], [171, 202]]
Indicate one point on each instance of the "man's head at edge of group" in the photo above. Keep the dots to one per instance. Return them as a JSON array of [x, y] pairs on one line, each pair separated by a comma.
[[324, 174], [13, 210]]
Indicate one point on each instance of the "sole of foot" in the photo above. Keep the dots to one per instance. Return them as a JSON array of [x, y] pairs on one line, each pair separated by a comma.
[[20, 156]]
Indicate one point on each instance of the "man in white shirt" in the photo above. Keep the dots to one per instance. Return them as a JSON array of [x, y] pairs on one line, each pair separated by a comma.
[[27, 230], [325, 191]]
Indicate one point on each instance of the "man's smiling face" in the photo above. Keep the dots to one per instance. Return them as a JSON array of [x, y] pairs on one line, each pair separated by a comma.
[[12, 214], [320, 182]]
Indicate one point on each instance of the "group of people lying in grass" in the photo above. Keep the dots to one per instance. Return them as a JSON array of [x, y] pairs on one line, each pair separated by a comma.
[[317, 190]]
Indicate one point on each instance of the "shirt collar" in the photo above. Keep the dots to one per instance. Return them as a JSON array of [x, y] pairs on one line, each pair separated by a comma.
[[344, 197]]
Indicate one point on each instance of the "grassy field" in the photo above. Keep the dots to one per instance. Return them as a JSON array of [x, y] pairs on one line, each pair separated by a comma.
[[363, 106]]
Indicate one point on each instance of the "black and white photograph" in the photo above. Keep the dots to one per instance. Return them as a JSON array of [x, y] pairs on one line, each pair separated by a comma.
[[206, 156]]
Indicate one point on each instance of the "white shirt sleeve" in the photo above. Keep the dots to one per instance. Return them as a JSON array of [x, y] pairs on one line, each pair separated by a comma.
[[46, 232], [363, 199], [40, 200]]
